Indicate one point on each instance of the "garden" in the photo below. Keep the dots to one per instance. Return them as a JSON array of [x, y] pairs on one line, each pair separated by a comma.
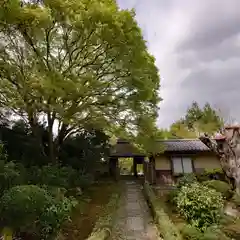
[[198, 208], [62, 200]]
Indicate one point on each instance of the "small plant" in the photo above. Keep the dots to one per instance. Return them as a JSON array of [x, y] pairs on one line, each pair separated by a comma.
[[54, 216], [186, 179], [172, 196], [219, 186], [200, 205]]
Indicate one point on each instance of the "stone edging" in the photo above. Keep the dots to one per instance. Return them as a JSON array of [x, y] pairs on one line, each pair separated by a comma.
[[103, 227], [165, 226]]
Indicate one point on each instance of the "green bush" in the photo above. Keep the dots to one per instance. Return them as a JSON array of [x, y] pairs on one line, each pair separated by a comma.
[[54, 175], [186, 179], [219, 186], [81, 179], [21, 206], [59, 176], [172, 196], [200, 205], [10, 175], [30, 210], [216, 174], [54, 216]]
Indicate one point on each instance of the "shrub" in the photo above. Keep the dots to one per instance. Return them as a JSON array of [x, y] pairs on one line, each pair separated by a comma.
[[200, 205], [172, 196], [10, 175], [54, 216], [21, 207], [219, 186], [216, 174], [61, 177], [54, 175], [81, 179], [30, 210], [186, 179]]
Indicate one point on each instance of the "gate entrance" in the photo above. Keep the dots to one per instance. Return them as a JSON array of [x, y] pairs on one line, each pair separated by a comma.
[[125, 160]]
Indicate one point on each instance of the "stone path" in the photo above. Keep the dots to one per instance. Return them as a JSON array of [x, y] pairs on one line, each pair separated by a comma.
[[134, 221]]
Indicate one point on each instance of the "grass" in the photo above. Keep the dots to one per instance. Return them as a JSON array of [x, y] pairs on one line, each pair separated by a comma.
[[176, 218], [90, 207]]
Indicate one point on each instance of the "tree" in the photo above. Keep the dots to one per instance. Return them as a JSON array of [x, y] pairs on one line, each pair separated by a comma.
[[227, 147], [179, 129], [75, 64], [196, 122], [203, 120]]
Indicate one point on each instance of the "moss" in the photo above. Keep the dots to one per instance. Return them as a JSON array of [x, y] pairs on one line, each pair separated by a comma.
[[166, 227], [103, 226]]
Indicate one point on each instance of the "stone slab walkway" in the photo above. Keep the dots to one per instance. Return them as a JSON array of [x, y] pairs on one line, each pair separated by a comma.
[[134, 221]]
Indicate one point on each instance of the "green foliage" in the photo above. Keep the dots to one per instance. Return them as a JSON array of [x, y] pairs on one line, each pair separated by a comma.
[[219, 186], [190, 232], [180, 130], [166, 227], [197, 121], [200, 205], [81, 63], [9, 175], [30, 210], [186, 179], [211, 174], [107, 219], [55, 215], [172, 196], [60, 177], [21, 206]]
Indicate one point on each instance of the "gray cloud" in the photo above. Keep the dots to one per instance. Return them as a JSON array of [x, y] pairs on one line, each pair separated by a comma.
[[212, 24], [197, 49]]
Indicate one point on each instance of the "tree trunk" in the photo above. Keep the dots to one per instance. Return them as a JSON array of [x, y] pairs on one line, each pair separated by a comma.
[[227, 147], [36, 133], [51, 145]]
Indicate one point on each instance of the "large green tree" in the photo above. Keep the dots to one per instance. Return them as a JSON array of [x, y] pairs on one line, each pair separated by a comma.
[[75, 64]]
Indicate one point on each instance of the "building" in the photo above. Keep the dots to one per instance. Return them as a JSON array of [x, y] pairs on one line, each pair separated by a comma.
[[175, 157], [179, 156]]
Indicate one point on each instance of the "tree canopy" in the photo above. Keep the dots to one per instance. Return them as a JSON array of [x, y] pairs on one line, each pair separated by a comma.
[[76, 65], [197, 121]]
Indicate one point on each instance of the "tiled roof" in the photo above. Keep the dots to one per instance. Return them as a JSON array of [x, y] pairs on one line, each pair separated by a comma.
[[124, 148], [183, 145]]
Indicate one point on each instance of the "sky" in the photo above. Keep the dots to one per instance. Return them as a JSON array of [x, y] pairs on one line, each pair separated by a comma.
[[196, 45]]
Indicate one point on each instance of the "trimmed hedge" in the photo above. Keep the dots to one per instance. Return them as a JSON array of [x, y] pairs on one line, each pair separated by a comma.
[[103, 227], [166, 227]]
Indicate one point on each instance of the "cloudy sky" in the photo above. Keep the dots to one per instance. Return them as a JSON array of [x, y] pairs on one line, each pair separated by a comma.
[[196, 44]]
